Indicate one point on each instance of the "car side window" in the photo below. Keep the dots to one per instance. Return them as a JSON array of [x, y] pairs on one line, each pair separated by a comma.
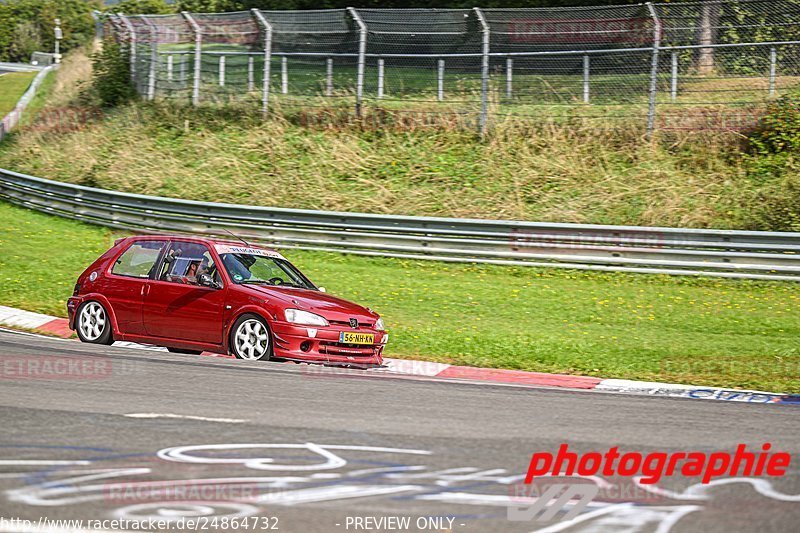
[[185, 261], [138, 260]]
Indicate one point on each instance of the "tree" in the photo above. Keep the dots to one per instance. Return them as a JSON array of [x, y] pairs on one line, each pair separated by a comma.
[[142, 7], [707, 31]]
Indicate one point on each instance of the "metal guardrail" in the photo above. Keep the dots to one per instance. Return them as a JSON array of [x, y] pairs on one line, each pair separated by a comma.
[[722, 253]]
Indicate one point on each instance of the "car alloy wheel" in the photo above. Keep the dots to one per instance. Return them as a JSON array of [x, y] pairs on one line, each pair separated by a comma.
[[93, 324], [251, 340]]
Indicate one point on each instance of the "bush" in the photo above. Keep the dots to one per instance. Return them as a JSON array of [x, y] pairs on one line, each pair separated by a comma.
[[111, 78], [142, 7], [779, 128]]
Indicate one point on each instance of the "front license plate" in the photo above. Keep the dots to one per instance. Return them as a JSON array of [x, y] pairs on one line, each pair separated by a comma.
[[350, 337]]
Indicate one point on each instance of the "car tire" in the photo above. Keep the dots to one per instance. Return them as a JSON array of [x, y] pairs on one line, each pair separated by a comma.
[[250, 338], [183, 350], [93, 323]]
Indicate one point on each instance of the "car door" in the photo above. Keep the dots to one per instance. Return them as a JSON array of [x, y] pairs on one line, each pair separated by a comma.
[[126, 283], [175, 305]]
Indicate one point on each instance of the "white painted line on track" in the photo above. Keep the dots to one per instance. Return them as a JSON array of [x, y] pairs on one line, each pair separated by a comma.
[[33, 462], [186, 417]]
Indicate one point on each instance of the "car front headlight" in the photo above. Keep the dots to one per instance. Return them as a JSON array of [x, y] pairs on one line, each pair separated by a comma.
[[379, 325], [298, 316]]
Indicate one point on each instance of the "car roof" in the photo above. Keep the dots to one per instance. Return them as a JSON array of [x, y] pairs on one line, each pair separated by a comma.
[[190, 238]]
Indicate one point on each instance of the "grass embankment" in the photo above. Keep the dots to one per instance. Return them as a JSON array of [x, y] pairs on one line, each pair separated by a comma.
[[521, 172], [702, 331], [12, 86]]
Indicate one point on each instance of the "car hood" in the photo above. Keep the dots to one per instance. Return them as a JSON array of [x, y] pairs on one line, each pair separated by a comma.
[[331, 307]]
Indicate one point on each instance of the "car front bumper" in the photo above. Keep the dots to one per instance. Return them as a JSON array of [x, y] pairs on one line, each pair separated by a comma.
[[321, 345]]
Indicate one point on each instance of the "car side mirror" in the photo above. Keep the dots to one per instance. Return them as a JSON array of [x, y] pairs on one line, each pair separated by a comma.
[[207, 281], [322, 289]]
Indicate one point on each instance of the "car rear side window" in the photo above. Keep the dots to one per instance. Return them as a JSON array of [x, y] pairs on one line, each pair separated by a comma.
[[138, 260]]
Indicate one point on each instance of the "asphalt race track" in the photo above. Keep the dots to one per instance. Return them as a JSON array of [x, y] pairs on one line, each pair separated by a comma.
[[322, 447]]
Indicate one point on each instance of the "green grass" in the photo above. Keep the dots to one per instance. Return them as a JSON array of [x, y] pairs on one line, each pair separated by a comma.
[[701, 331], [523, 172], [12, 86]]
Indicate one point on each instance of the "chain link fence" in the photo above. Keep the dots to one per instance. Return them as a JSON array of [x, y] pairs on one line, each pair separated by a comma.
[[673, 66]]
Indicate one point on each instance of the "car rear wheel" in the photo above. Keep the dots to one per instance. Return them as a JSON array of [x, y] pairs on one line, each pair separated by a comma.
[[250, 339], [93, 324]]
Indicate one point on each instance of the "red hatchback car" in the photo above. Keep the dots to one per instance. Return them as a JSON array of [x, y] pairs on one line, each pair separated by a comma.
[[193, 295]]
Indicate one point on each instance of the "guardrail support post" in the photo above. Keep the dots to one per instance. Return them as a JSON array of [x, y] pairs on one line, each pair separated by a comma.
[[198, 58], [674, 78], [170, 67], [381, 81], [651, 111], [509, 78], [485, 45], [586, 67], [131, 47], [362, 58], [329, 77], [440, 79], [284, 75], [267, 27], [222, 71], [773, 69], [251, 81]]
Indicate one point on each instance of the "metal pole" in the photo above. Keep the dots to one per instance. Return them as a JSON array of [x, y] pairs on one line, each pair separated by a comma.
[[198, 58], [251, 82], [132, 46], [484, 70], [586, 65], [183, 62], [362, 52], [284, 75], [674, 77], [222, 71], [151, 76], [169, 67], [440, 79], [380, 77], [58, 36], [773, 68], [267, 27], [509, 78], [329, 77], [651, 111]]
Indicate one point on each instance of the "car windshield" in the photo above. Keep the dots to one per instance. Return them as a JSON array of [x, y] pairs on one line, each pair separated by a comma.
[[246, 268]]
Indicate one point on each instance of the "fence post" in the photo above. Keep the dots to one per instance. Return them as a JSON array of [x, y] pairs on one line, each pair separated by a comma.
[[170, 67], [198, 59], [151, 74], [222, 71], [651, 111], [773, 68], [440, 79], [267, 27], [329, 77], [381, 66], [509, 78], [586, 66], [284, 75], [362, 58], [251, 81], [132, 47], [485, 43], [674, 78]]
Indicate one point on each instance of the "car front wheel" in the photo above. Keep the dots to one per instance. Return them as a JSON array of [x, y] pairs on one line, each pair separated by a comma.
[[93, 324], [250, 339]]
